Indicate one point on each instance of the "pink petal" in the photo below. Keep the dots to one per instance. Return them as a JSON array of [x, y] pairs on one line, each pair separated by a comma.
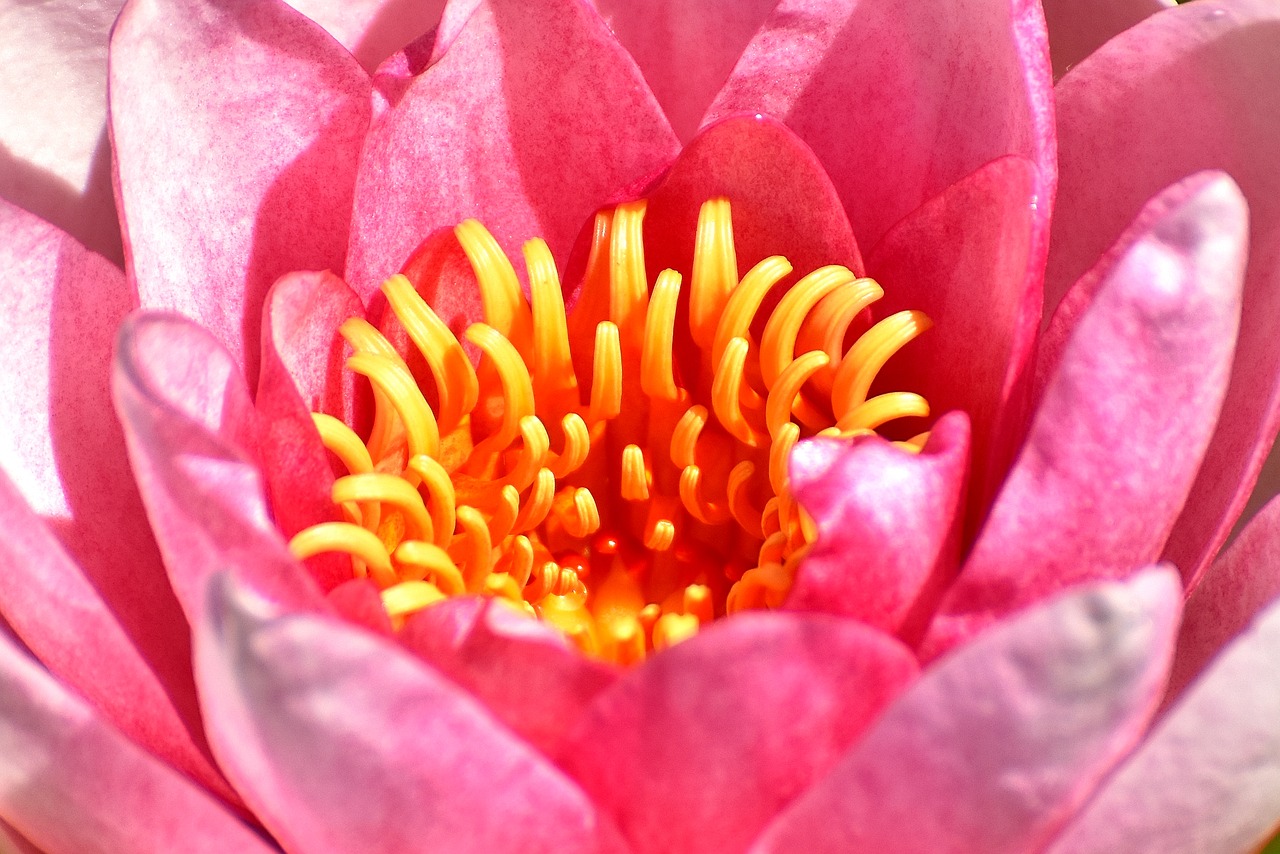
[[1124, 417], [1208, 776], [74, 785], [372, 29], [887, 526], [900, 100], [997, 744], [525, 672], [966, 259], [1196, 87], [532, 118], [697, 749], [55, 159], [686, 50], [302, 372], [237, 129], [404, 762], [191, 433], [63, 450], [1236, 588], [1079, 27]]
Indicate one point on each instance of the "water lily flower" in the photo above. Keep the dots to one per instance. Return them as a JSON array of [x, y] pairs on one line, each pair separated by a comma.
[[1008, 630]]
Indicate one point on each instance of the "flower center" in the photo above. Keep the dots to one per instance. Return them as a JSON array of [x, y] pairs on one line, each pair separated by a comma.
[[660, 502]]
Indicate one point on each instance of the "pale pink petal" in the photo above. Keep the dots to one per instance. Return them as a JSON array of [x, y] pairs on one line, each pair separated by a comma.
[[1235, 589], [528, 675], [1124, 417], [1079, 27], [532, 118], [900, 100], [64, 452], [55, 159], [405, 761], [1000, 742], [72, 784], [966, 259], [1207, 778], [1195, 87], [237, 129], [888, 526], [686, 50], [191, 433], [696, 750], [372, 29]]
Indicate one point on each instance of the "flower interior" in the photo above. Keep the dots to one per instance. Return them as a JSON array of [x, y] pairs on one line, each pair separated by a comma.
[[618, 471]]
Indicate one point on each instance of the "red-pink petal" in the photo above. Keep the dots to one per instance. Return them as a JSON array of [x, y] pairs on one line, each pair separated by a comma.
[[191, 433], [343, 742], [887, 526], [1207, 778], [1079, 27], [900, 100], [966, 259], [1125, 415], [528, 675], [1195, 87], [686, 50], [1000, 742], [698, 749], [372, 29], [530, 120], [72, 784], [237, 129]]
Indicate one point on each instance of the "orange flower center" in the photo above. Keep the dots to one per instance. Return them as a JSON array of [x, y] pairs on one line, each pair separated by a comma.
[[659, 502]]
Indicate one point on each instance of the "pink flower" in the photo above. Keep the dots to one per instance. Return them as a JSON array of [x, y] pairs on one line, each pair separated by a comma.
[[1009, 664]]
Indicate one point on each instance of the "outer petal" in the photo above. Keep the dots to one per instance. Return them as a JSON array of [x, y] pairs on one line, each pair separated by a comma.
[[237, 128], [1235, 589], [54, 156], [1208, 776], [1196, 87], [190, 427], [74, 785], [686, 50], [404, 762], [966, 259], [1124, 418], [996, 745], [372, 29], [887, 526], [62, 448], [531, 119], [900, 100], [697, 749], [526, 673], [1079, 27]]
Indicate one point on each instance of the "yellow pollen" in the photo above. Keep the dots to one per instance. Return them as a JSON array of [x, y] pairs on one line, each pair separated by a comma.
[[630, 505]]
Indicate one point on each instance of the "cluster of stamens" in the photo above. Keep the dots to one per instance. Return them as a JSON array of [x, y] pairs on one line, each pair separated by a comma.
[[660, 502]]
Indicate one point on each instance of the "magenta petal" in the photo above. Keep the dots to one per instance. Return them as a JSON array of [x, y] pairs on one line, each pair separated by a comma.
[[686, 50], [698, 749], [403, 761], [372, 29], [530, 120], [190, 430], [1195, 87], [1079, 27], [966, 259], [997, 744], [1125, 415], [237, 129], [71, 783], [524, 671], [1207, 778], [900, 100], [1236, 588], [887, 526]]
